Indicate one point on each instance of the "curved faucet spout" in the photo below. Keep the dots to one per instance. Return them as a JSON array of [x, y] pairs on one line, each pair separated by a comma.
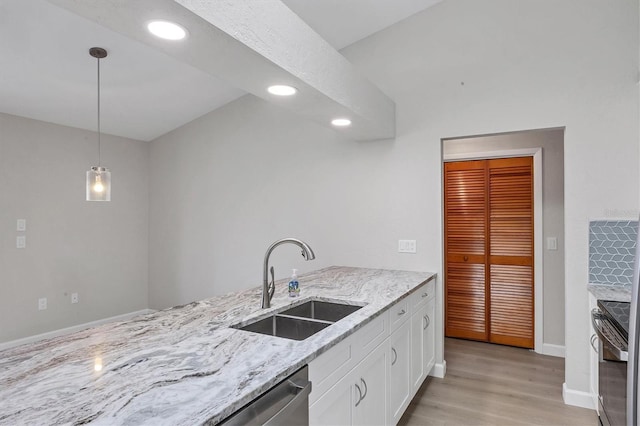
[[268, 288]]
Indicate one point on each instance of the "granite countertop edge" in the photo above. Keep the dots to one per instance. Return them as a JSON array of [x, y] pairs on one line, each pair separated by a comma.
[[617, 293]]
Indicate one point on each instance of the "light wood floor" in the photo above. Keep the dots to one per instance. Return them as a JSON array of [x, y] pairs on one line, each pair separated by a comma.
[[490, 384]]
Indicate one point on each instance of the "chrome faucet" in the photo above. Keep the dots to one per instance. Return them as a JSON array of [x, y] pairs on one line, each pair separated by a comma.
[[268, 288]]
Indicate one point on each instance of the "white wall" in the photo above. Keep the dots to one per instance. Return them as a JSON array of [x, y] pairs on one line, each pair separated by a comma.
[[551, 142], [228, 184], [224, 187], [99, 250], [528, 64]]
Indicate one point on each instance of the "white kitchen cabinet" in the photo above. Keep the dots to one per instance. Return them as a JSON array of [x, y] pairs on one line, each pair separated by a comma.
[[370, 383], [335, 407], [417, 371], [359, 398], [429, 342], [422, 341], [400, 384], [370, 377]]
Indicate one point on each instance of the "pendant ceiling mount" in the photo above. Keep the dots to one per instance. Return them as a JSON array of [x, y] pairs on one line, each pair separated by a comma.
[[98, 52]]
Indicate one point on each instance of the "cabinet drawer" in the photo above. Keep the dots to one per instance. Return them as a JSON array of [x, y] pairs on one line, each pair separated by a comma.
[[422, 295], [372, 334], [399, 313]]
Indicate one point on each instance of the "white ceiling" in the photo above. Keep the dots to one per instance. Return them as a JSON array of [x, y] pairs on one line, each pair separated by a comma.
[[47, 73]]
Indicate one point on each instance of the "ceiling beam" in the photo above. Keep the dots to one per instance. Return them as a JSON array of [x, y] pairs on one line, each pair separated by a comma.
[[252, 45]]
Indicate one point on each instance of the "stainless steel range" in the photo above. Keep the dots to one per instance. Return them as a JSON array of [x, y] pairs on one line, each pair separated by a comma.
[[611, 323]]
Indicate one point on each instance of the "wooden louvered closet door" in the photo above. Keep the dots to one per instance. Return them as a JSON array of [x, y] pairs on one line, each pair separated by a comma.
[[465, 249], [489, 275]]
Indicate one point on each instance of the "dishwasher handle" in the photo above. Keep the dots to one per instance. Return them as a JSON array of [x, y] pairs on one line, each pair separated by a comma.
[[302, 397]]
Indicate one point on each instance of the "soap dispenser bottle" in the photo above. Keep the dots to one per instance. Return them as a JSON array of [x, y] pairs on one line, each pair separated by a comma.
[[294, 287]]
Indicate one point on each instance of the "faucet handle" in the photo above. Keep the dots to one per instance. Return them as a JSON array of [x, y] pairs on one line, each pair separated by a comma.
[[272, 284]]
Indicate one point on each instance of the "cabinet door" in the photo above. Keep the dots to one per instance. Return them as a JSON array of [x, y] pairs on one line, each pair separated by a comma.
[[336, 406], [399, 377], [429, 337], [370, 389], [417, 372]]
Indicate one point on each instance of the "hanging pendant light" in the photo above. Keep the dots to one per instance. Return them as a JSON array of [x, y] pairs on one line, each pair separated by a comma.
[[98, 178]]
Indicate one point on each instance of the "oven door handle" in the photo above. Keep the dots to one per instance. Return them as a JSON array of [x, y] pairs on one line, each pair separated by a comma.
[[619, 353]]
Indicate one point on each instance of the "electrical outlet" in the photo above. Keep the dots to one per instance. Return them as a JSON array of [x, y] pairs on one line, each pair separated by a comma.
[[74, 297], [406, 246], [42, 303], [21, 241], [21, 225]]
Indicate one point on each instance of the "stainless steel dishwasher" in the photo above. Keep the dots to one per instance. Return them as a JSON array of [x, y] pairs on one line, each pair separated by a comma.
[[285, 404]]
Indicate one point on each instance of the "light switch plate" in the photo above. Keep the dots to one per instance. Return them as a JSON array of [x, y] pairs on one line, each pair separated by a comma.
[[21, 225], [406, 246], [42, 303], [552, 243], [21, 241]]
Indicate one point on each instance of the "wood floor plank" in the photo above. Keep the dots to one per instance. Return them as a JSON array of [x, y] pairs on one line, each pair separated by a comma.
[[490, 384]]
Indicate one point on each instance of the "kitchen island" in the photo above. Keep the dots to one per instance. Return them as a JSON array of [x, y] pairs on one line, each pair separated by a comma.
[[183, 365]]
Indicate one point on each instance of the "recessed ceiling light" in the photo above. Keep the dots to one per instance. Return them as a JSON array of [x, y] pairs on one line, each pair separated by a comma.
[[167, 30], [341, 122], [282, 90]]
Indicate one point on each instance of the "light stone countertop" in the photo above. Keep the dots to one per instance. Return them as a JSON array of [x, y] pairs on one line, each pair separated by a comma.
[[617, 293], [183, 365]]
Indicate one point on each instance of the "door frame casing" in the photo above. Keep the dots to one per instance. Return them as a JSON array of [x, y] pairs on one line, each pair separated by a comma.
[[538, 235]]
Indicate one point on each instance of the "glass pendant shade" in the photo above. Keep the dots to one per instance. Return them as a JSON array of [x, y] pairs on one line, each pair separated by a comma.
[[98, 184]]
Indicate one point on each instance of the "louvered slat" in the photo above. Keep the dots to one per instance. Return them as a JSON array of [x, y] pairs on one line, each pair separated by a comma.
[[511, 305], [465, 309]]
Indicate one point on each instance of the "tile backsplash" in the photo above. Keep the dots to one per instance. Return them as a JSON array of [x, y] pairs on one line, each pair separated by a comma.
[[612, 248]]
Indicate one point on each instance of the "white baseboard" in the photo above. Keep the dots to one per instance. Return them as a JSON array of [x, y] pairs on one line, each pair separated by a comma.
[[72, 329], [553, 350], [577, 398], [439, 370]]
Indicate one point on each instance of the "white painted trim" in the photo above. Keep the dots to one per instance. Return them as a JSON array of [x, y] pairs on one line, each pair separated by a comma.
[[439, 370], [538, 237], [553, 350], [577, 398], [538, 241], [505, 153], [72, 329]]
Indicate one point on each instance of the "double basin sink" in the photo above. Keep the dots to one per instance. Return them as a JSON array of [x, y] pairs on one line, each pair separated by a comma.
[[301, 321]]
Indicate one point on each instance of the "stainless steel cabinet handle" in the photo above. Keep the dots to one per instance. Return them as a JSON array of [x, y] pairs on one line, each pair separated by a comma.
[[402, 312], [365, 388], [427, 321], [360, 397], [395, 356], [594, 337]]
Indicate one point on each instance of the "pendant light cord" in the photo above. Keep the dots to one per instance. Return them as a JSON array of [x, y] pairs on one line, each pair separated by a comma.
[[99, 150]]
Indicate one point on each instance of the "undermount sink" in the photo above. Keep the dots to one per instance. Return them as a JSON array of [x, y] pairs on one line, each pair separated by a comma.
[[301, 321], [321, 310], [287, 327]]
